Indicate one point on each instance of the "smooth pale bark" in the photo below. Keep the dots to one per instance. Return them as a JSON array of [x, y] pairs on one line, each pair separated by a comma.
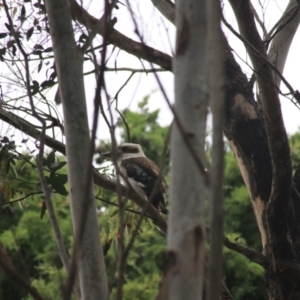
[[68, 61], [166, 8], [186, 231], [285, 31], [217, 105]]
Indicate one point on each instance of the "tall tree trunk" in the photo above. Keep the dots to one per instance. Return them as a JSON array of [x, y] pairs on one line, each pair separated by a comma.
[[215, 70], [259, 140], [186, 231], [68, 61]]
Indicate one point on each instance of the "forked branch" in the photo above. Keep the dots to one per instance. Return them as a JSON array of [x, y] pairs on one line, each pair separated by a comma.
[[277, 137]]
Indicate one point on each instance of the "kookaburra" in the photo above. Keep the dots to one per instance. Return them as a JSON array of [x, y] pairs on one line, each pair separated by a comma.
[[142, 173]]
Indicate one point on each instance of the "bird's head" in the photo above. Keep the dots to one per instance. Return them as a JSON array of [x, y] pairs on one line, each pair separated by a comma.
[[126, 150]]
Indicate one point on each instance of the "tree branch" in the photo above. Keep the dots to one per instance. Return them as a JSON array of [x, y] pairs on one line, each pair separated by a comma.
[[277, 138], [286, 30], [294, 93], [99, 179], [252, 255], [28, 128], [121, 41], [166, 8], [53, 221], [9, 269]]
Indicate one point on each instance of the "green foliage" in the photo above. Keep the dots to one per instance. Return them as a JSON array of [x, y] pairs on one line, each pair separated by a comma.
[[295, 148], [239, 213], [26, 233], [244, 279]]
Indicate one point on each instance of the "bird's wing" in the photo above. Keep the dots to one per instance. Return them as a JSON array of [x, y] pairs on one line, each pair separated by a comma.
[[145, 172]]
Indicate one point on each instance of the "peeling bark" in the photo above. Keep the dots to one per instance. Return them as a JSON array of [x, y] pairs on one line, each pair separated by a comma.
[[275, 213], [244, 127], [250, 127]]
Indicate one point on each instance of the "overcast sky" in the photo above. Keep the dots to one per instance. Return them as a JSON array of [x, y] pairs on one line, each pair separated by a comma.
[[159, 33]]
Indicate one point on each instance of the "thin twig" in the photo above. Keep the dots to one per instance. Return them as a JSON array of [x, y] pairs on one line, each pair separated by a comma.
[[295, 93], [126, 125], [39, 158], [121, 41], [19, 280], [129, 70], [99, 179], [102, 22], [278, 26], [252, 255], [22, 198], [259, 21]]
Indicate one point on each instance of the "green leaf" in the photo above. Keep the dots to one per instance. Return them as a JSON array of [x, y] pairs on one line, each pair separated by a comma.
[[47, 83], [43, 210], [35, 87], [29, 33], [14, 50], [3, 35], [62, 177], [114, 213], [57, 182], [50, 159], [40, 66], [23, 11]]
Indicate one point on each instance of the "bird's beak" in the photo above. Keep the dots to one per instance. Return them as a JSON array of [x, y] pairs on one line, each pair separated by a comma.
[[106, 155]]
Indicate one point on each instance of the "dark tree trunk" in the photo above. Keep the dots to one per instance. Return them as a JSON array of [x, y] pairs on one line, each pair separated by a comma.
[[245, 129]]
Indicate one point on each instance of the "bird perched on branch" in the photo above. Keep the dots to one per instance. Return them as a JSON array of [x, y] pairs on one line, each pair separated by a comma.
[[142, 173]]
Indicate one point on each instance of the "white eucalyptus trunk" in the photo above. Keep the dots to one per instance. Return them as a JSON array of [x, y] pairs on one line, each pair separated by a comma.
[[68, 61], [186, 231]]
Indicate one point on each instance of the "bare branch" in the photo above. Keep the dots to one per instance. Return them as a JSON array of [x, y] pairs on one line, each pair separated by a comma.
[[53, 220], [258, 20], [28, 128], [102, 22], [277, 137], [252, 255], [9, 269], [294, 93], [99, 179], [285, 31], [128, 70], [166, 8], [21, 199], [118, 39]]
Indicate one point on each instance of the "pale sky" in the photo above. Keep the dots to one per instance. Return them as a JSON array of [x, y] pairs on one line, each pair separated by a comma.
[[160, 34]]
